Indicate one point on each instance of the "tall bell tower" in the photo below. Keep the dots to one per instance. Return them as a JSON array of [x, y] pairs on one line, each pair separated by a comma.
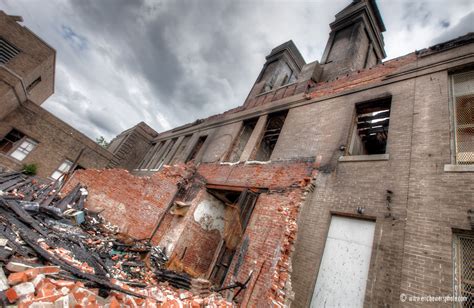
[[355, 41]]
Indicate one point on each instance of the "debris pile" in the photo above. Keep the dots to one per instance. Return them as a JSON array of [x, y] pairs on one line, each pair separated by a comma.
[[54, 252]]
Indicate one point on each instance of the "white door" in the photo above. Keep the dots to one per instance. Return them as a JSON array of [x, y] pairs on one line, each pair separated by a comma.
[[344, 268]]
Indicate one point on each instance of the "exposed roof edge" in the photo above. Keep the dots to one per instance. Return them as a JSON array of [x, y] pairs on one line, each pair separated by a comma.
[[461, 40]]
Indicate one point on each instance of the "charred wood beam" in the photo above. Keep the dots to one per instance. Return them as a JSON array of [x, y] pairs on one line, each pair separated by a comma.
[[6, 185], [370, 124], [73, 270], [177, 280], [62, 205], [381, 115], [50, 199], [23, 215], [7, 233]]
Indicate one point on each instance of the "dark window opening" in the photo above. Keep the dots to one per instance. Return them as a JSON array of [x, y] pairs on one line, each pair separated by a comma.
[[370, 131], [7, 51], [270, 136], [241, 141], [181, 148], [148, 154], [239, 206], [10, 140], [155, 154], [33, 84], [166, 153], [79, 167], [197, 148]]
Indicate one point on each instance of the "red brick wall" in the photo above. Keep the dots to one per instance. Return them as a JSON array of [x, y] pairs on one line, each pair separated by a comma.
[[273, 175], [267, 250], [135, 204], [271, 231], [195, 249]]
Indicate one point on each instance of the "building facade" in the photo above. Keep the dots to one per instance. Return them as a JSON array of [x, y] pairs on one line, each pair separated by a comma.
[[30, 134], [392, 145], [345, 182]]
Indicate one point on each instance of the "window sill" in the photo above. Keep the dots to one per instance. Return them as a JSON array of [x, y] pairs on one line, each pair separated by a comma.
[[7, 156], [458, 168], [374, 157]]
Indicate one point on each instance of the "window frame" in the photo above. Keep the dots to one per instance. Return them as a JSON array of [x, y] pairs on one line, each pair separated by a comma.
[[348, 148], [62, 173], [457, 262], [14, 144], [453, 117], [24, 150]]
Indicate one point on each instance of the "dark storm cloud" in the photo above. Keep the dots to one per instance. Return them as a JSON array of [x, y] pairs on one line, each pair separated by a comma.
[[465, 25], [168, 62]]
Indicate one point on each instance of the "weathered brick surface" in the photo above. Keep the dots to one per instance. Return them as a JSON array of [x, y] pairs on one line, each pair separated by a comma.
[[438, 201], [278, 174], [344, 186], [272, 229], [19, 106], [57, 141], [134, 204]]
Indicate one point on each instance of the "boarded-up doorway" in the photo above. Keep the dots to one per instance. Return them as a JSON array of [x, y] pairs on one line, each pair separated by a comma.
[[344, 268]]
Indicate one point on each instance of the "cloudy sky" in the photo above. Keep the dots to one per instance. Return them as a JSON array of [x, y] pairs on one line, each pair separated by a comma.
[[168, 63]]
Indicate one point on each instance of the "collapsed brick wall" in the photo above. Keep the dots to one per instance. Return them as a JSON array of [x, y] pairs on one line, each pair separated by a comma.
[[136, 204], [267, 243]]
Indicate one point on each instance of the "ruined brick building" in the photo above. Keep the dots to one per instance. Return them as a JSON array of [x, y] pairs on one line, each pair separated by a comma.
[[346, 182], [30, 134]]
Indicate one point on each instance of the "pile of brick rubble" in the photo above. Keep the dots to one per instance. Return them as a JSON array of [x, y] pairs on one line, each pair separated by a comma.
[[56, 253]]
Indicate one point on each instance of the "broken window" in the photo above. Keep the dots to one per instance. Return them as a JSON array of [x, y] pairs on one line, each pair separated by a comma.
[[10, 140], [62, 169], [464, 268], [463, 107], [17, 145], [270, 136], [181, 148], [370, 130], [7, 51], [239, 208], [241, 141], [197, 148]]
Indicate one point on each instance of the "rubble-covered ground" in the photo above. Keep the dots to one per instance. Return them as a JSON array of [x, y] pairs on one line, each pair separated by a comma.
[[56, 253]]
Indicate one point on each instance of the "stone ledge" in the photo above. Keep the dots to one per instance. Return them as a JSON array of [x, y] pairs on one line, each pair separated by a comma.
[[374, 157], [458, 168]]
